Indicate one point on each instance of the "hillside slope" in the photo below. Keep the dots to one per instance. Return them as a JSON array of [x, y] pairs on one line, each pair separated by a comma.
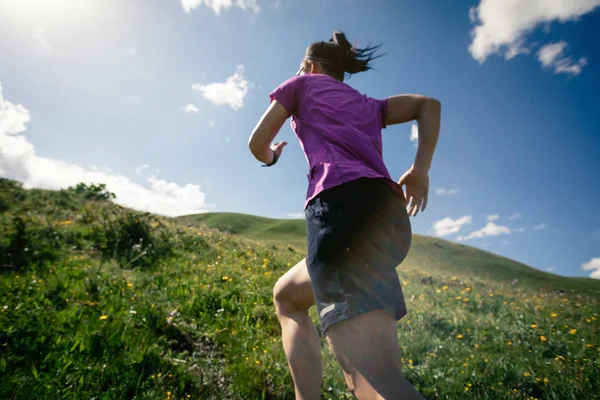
[[428, 254], [99, 301]]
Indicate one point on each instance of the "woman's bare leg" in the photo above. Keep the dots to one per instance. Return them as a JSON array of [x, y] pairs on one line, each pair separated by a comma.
[[293, 296], [366, 346]]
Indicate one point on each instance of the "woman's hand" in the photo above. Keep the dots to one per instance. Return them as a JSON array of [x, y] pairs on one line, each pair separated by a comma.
[[417, 188], [278, 148]]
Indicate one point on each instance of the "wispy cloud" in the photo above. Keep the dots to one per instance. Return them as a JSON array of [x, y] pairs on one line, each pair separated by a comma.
[[493, 217], [551, 269], [414, 135], [40, 36], [218, 5], [540, 226], [211, 123], [442, 191], [490, 229], [502, 26], [231, 92], [19, 161], [552, 56], [296, 215], [448, 226], [594, 266], [514, 216], [190, 109], [141, 168], [519, 230]]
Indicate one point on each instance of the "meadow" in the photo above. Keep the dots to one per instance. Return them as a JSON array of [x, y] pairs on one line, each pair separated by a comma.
[[98, 301]]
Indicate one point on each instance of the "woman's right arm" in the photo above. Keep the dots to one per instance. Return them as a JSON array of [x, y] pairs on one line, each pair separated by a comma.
[[427, 112]]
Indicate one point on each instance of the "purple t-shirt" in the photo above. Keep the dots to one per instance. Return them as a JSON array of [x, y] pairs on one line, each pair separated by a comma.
[[339, 130]]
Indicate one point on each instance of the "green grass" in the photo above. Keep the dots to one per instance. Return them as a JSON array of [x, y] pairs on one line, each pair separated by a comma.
[[87, 310], [427, 254]]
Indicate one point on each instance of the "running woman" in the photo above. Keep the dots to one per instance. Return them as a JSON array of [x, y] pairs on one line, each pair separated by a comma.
[[357, 220]]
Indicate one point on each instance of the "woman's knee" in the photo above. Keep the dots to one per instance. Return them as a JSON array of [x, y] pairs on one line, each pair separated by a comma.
[[293, 290]]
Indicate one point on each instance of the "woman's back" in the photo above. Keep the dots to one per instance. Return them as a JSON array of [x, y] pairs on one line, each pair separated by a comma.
[[339, 130]]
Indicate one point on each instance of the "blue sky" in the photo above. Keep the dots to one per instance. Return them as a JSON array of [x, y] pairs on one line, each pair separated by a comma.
[[158, 98]]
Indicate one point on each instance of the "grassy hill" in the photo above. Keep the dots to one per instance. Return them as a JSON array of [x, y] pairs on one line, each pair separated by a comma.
[[428, 254], [98, 301]]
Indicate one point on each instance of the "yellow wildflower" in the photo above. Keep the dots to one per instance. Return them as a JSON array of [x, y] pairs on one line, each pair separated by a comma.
[[533, 325], [102, 317], [444, 287], [543, 338], [554, 315], [460, 336], [573, 331]]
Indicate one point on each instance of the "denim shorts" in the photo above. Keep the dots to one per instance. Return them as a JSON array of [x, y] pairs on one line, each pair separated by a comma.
[[358, 233]]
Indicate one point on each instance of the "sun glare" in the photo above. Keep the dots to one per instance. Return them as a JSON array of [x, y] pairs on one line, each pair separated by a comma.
[[51, 11]]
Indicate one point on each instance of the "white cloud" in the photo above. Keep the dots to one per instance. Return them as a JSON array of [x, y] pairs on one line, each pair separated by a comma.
[[132, 52], [211, 123], [218, 5], [296, 215], [493, 217], [448, 226], [414, 135], [442, 191], [594, 266], [41, 38], [515, 216], [502, 25], [231, 92], [190, 108], [19, 161], [141, 168], [550, 269], [520, 230], [490, 229], [551, 56], [540, 226]]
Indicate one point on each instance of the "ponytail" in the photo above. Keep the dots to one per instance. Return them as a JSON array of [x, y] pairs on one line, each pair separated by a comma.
[[339, 57]]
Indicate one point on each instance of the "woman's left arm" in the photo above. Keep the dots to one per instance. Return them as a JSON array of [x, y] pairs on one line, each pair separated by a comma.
[[265, 131]]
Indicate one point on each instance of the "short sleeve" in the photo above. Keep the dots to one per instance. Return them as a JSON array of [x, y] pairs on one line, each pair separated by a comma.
[[383, 109], [287, 93]]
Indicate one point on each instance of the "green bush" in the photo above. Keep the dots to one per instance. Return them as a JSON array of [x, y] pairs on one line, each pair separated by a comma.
[[130, 240], [29, 243], [92, 192]]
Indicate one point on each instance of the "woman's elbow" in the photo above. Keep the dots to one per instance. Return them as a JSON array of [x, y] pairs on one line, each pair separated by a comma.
[[433, 102]]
